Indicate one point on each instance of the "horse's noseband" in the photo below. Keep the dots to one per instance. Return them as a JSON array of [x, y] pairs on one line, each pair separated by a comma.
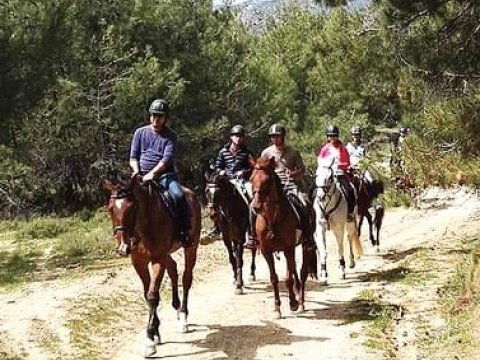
[[119, 228]]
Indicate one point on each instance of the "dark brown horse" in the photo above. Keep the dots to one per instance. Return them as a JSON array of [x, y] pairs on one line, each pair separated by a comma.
[[225, 201], [366, 193], [276, 227], [144, 228]]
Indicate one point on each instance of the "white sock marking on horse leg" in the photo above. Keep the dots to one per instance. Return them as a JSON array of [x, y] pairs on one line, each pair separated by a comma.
[[149, 348], [182, 326]]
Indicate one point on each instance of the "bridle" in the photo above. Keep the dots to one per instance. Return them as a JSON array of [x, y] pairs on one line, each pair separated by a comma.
[[122, 194], [329, 191], [267, 198], [211, 189], [266, 191]]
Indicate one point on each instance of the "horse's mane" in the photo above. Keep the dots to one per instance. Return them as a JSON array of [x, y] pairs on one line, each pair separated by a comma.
[[265, 163]]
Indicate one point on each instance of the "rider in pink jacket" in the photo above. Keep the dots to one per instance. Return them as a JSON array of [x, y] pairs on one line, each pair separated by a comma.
[[336, 154]]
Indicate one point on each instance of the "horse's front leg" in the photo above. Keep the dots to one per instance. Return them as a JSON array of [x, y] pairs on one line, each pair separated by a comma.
[[253, 267], [231, 254], [173, 275], [370, 227], [320, 237], [268, 255], [238, 246], [152, 296], [292, 280]]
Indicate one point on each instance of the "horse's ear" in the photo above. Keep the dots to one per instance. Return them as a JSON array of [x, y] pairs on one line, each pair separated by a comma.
[[107, 185]]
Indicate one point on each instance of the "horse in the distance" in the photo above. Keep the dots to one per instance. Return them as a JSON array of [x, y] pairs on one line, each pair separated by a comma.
[[366, 192], [331, 210], [276, 226], [225, 201], [145, 229]]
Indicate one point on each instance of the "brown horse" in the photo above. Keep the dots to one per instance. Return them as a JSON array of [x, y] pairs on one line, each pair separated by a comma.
[[366, 193], [223, 198], [276, 227], [144, 228]]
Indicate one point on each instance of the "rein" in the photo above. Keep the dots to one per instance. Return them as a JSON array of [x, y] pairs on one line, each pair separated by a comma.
[[331, 191], [275, 202]]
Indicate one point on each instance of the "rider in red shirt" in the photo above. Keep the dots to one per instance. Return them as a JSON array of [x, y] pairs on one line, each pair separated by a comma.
[[336, 154]]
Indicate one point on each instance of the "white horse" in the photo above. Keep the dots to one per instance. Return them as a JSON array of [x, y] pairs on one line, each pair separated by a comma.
[[330, 206]]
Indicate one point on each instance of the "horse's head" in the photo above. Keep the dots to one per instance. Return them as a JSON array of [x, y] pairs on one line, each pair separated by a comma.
[[263, 175], [324, 181], [122, 209], [212, 191]]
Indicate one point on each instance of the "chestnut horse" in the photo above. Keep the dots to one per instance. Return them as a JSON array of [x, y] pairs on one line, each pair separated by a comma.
[[144, 228], [224, 198], [276, 226]]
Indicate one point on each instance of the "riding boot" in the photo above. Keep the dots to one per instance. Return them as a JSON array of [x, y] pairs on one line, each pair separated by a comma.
[[251, 241], [184, 224], [350, 205], [307, 228], [350, 197]]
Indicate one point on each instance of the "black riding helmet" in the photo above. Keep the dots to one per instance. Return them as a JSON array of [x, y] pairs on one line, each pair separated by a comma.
[[158, 106], [332, 130], [237, 130], [356, 130], [276, 129]]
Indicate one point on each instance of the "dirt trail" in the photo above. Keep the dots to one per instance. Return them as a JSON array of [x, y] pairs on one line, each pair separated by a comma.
[[224, 325]]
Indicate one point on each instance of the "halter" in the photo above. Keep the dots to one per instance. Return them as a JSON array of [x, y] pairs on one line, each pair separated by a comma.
[[122, 194], [268, 199], [330, 191], [211, 186]]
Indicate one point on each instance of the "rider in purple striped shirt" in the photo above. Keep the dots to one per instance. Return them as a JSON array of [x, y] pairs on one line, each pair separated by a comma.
[[152, 155]]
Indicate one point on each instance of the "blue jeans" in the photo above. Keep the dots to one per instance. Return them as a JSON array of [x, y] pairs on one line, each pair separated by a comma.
[[170, 182]]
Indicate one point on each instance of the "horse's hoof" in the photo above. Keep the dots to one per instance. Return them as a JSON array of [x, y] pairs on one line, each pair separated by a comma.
[[149, 348], [344, 276], [277, 315], [378, 249], [238, 291], [323, 282], [352, 264], [252, 278], [295, 310], [157, 340]]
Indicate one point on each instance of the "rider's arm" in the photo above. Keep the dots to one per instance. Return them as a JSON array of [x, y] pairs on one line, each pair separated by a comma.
[[135, 151], [167, 159], [299, 168], [220, 162], [344, 158]]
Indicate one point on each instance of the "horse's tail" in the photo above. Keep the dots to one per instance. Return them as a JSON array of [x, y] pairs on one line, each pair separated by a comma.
[[377, 188], [310, 261], [355, 242]]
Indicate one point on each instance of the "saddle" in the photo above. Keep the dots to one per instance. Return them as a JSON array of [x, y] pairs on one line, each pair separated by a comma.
[[304, 216], [166, 199]]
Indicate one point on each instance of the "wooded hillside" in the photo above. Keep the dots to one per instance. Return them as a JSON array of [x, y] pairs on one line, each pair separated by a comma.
[[76, 78]]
